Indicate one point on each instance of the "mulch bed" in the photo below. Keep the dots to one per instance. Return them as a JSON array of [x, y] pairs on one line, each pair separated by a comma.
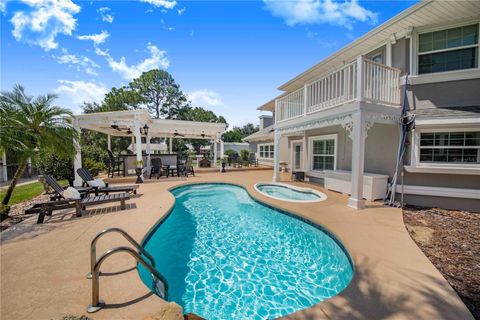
[[17, 211], [451, 240]]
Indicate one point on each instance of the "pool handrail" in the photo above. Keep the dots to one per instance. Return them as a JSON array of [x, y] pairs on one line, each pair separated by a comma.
[[98, 304], [93, 247]]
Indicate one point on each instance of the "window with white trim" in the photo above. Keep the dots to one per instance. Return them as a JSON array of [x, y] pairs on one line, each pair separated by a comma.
[[450, 49], [450, 147], [323, 152], [266, 151]]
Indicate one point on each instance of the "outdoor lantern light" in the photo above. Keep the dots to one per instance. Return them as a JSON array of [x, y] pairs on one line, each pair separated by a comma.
[[145, 129]]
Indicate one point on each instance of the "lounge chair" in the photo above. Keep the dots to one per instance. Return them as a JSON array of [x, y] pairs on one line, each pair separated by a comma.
[[46, 208], [87, 176]]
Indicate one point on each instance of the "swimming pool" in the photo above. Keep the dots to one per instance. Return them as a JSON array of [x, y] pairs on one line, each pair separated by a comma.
[[227, 256], [287, 192]]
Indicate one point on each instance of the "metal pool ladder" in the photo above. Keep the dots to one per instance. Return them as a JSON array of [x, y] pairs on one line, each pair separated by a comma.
[[159, 282]]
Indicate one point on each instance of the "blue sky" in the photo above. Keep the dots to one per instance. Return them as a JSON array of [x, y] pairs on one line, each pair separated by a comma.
[[229, 56]]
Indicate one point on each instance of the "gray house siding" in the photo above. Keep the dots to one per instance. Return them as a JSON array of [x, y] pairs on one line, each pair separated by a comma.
[[444, 97], [380, 148], [401, 54], [442, 202], [445, 94], [462, 181]]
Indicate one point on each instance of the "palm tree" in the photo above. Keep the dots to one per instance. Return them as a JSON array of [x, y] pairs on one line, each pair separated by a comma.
[[30, 125]]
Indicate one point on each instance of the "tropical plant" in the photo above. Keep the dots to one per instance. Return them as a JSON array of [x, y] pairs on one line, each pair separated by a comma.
[[50, 163], [244, 154], [30, 125]]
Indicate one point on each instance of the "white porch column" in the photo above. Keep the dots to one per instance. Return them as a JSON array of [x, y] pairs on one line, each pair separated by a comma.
[[133, 143], [358, 135], [77, 161], [138, 141], [109, 142], [4, 166], [276, 157], [222, 149], [147, 150], [222, 153], [170, 145], [215, 153], [305, 154]]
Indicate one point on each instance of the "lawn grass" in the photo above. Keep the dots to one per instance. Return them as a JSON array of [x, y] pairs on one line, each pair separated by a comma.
[[26, 192]]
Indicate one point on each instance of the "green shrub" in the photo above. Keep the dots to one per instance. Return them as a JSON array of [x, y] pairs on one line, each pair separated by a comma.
[[244, 154], [94, 166], [230, 152], [4, 210], [49, 163]]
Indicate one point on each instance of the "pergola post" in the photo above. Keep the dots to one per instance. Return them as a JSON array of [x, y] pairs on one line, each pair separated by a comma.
[[222, 149], [77, 161], [358, 157], [109, 142], [138, 141], [4, 166], [276, 157], [147, 150], [170, 149], [215, 152]]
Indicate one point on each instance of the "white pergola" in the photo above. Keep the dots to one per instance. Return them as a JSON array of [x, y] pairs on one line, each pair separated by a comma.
[[132, 123]]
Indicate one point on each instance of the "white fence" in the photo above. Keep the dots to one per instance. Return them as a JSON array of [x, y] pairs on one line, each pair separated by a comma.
[[375, 82]]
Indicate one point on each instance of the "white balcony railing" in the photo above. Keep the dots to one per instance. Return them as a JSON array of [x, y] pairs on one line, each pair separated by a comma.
[[375, 82], [290, 106]]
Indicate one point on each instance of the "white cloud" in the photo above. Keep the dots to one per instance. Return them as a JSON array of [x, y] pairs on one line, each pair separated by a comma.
[[164, 26], [97, 39], [46, 19], [157, 60], [167, 4], [320, 11], [181, 11], [79, 91], [205, 98], [105, 14], [79, 62]]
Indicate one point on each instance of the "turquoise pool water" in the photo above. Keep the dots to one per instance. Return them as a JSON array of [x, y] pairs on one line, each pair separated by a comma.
[[227, 256], [287, 193]]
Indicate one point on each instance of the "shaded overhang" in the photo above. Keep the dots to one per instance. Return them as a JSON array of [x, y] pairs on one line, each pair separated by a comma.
[[123, 123]]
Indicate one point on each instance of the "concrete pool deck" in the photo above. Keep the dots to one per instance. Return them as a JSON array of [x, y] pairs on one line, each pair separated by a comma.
[[43, 267]]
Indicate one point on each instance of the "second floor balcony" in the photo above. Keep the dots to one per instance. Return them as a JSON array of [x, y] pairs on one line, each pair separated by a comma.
[[362, 80]]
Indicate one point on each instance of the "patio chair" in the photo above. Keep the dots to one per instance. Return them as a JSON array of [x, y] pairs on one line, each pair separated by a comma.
[[115, 164], [187, 168], [252, 160], [237, 161], [158, 169], [87, 176], [46, 208]]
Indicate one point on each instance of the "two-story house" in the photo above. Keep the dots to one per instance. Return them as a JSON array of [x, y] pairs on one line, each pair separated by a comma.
[[341, 118]]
